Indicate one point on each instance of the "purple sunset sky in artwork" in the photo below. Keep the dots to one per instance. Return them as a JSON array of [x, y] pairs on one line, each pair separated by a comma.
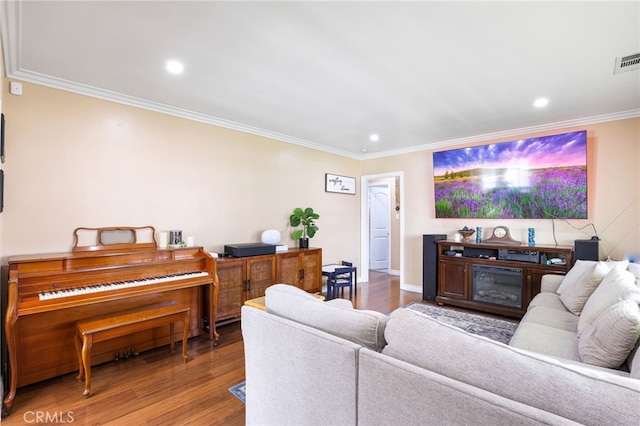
[[567, 149]]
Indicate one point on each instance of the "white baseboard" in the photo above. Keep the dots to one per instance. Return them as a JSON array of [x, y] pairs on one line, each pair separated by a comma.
[[412, 288]]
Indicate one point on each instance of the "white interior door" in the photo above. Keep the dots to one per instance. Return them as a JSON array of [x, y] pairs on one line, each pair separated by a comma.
[[379, 225]]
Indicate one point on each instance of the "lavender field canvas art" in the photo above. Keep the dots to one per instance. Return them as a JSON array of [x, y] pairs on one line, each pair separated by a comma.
[[544, 177]]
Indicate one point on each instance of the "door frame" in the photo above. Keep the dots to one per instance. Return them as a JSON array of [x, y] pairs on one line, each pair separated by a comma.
[[364, 224]]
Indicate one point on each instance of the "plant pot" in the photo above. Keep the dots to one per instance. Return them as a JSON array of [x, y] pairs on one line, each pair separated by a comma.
[[303, 243]]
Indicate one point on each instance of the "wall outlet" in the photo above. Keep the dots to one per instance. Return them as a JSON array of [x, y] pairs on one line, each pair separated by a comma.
[[16, 88]]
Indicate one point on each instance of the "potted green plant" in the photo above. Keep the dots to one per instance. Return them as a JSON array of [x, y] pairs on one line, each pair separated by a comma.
[[304, 219]]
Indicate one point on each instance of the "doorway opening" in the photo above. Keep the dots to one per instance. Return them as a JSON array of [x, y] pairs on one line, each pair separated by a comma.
[[395, 251]]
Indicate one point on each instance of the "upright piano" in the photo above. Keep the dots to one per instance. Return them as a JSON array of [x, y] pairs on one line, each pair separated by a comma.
[[49, 293]]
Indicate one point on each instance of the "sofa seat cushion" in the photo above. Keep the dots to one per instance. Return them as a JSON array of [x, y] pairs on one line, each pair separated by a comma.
[[549, 300], [551, 317], [546, 340], [582, 395], [360, 326]]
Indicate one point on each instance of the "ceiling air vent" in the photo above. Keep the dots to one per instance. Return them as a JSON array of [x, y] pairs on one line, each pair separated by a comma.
[[627, 63]]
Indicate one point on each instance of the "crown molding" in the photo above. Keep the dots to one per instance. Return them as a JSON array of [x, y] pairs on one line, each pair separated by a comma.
[[10, 18], [634, 113]]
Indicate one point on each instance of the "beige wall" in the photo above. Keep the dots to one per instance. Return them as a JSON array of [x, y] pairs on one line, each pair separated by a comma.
[[1, 110], [613, 193], [77, 161]]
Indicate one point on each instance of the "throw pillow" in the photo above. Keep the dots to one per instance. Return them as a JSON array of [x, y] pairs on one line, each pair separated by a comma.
[[576, 293], [609, 340], [621, 264], [575, 273], [581, 266], [617, 285]]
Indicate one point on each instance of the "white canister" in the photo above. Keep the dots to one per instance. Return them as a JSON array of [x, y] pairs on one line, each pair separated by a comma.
[[163, 239], [190, 242]]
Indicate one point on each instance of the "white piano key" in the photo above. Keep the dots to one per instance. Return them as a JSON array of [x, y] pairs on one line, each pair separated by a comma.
[[57, 294]]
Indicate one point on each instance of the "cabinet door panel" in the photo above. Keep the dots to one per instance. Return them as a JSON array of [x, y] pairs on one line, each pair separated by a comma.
[[261, 273], [453, 280], [289, 269], [312, 267], [231, 292]]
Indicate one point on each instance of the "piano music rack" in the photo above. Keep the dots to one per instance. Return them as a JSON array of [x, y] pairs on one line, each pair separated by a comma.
[[114, 238]]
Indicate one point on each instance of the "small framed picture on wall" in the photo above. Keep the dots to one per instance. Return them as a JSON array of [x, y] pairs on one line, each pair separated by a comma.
[[341, 184]]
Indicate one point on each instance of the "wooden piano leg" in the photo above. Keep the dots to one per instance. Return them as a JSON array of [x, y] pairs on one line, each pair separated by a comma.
[[172, 344], [87, 342], [78, 340], [185, 334], [9, 329], [212, 310]]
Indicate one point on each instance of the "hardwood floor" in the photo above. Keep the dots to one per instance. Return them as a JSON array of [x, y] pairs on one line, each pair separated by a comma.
[[157, 388]]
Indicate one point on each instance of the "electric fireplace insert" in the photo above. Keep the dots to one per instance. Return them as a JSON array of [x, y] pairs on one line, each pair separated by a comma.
[[497, 285]]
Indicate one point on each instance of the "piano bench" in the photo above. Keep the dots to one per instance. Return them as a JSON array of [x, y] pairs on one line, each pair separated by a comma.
[[117, 324]]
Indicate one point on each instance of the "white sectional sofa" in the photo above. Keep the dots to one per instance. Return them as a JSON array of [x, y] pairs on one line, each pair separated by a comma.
[[310, 362], [589, 316]]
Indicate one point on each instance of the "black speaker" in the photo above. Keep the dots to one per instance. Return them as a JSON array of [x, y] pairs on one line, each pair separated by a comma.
[[430, 266], [586, 250]]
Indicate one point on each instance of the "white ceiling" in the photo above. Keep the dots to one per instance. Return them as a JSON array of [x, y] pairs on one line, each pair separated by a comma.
[[328, 74]]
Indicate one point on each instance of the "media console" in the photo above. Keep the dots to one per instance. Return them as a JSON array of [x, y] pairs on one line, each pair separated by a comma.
[[496, 278]]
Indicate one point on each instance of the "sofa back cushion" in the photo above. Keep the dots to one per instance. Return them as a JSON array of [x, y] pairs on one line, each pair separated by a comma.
[[360, 326], [581, 394], [633, 362]]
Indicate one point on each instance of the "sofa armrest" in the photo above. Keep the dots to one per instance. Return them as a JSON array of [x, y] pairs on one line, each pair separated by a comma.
[[296, 374], [550, 283]]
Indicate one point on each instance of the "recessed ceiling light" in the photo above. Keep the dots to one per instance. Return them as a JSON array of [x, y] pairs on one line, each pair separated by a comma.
[[374, 138], [541, 102], [175, 67]]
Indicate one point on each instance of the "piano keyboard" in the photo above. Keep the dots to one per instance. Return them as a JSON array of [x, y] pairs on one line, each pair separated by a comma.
[[57, 294]]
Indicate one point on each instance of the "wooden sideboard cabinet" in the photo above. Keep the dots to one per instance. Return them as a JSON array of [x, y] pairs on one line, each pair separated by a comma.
[[500, 279], [245, 278]]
